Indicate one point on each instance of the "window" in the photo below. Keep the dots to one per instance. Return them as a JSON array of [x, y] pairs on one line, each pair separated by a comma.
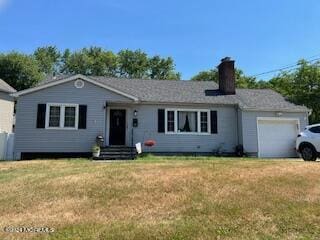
[[79, 83], [315, 129], [185, 121], [62, 116], [54, 116], [204, 121], [70, 117], [170, 121]]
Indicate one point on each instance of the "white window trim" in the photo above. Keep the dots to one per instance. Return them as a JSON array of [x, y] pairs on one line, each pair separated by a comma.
[[176, 110], [62, 115]]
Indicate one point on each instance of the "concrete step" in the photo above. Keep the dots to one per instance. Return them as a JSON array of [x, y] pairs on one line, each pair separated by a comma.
[[113, 158], [117, 149], [117, 153]]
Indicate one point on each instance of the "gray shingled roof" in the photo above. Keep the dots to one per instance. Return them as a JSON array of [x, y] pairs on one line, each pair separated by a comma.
[[168, 91], [5, 87], [265, 99]]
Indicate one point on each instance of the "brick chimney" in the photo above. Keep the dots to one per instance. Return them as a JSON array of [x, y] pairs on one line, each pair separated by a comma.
[[227, 80]]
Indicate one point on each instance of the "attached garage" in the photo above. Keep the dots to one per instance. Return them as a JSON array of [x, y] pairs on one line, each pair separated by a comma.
[[277, 137]]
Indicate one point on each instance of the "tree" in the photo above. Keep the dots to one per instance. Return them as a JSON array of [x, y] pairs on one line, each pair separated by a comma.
[[210, 75], [19, 70], [242, 81], [24, 71], [301, 86], [127, 64], [76, 63], [162, 68], [133, 64], [264, 84], [92, 61], [64, 61], [48, 59], [102, 63]]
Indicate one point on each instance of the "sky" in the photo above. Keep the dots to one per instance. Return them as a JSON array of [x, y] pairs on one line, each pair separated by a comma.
[[259, 35]]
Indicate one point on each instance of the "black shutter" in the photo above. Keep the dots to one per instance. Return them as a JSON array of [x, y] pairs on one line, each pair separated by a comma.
[[41, 116], [161, 120], [214, 122], [82, 124]]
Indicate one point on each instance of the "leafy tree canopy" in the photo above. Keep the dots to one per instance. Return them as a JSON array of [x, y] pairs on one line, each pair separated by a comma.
[[301, 86], [19, 70], [24, 71], [242, 81], [89, 61], [162, 68], [47, 58], [124, 64]]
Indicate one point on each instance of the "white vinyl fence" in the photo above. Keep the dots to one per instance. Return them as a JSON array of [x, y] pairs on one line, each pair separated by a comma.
[[6, 146]]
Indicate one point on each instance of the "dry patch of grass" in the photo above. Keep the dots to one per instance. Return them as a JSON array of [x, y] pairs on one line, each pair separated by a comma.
[[162, 198]]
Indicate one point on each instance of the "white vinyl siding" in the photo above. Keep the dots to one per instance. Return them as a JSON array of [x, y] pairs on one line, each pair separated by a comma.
[[29, 138], [6, 112], [225, 139]]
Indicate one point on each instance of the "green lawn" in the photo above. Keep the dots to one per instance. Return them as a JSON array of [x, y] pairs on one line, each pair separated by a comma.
[[162, 198]]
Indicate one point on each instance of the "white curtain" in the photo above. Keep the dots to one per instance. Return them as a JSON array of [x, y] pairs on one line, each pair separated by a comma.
[[184, 117]]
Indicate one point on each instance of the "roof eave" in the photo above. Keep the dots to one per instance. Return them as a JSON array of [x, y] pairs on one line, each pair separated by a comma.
[[64, 80], [186, 103], [306, 110], [6, 87], [8, 92]]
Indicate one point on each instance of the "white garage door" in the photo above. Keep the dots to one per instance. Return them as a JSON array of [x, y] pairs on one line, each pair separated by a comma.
[[277, 137]]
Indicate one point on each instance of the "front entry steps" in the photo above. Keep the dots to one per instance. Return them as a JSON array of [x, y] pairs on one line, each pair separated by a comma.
[[117, 153]]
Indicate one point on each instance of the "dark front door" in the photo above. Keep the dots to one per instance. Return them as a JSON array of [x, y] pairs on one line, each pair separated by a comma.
[[117, 127]]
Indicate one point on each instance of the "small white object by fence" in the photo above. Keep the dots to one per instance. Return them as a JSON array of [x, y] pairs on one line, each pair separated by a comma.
[[139, 148], [6, 146]]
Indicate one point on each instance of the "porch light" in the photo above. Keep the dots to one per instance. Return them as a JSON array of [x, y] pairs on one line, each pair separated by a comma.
[[135, 113]]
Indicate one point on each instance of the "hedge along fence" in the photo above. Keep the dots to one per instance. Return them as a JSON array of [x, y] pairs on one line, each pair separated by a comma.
[[6, 146]]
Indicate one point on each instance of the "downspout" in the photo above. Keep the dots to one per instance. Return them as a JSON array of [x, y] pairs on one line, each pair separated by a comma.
[[131, 140], [308, 113], [238, 135], [105, 122]]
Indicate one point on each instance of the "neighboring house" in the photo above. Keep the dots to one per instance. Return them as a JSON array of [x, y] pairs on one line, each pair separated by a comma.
[[6, 107], [65, 114]]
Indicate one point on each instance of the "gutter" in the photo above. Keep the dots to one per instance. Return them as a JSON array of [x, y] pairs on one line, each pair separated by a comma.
[[276, 110], [188, 104]]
